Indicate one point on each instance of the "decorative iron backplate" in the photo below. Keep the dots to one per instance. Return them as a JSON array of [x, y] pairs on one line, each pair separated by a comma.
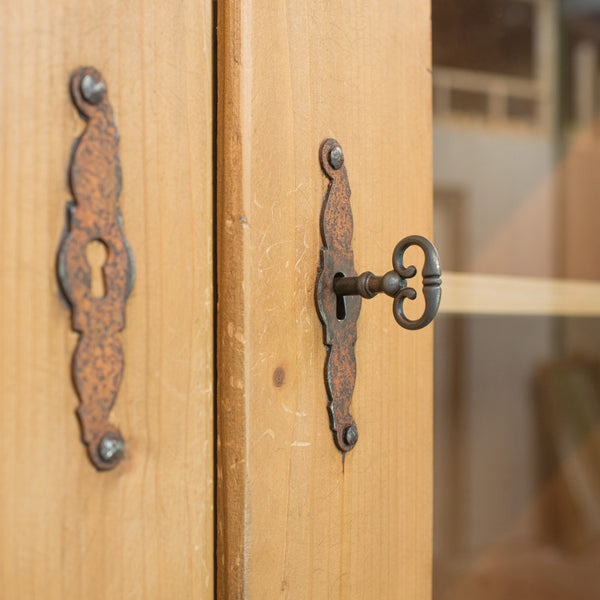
[[339, 291], [95, 180], [337, 259]]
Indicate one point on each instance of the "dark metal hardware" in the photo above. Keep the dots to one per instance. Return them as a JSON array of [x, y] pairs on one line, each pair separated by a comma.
[[394, 283], [95, 180], [339, 291]]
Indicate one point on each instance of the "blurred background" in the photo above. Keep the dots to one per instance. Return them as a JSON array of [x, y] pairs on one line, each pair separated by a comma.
[[516, 101]]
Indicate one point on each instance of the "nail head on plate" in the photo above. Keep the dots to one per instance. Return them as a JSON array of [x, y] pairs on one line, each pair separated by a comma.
[[336, 157], [92, 89], [111, 448], [351, 435]]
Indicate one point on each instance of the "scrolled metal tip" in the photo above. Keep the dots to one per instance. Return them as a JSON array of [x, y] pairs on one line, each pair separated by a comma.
[[409, 293]]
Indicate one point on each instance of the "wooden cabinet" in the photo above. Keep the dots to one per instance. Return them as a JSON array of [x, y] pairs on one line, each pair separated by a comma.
[[294, 520], [145, 529], [226, 257]]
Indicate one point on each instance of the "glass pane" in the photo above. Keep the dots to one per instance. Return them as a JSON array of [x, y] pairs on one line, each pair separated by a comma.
[[517, 397], [517, 458], [516, 139]]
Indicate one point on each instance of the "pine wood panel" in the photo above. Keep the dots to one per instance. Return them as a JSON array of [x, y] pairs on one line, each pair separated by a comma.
[[144, 530], [293, 520]]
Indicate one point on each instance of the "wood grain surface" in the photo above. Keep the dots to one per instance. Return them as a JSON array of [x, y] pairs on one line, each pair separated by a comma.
[[482, 294], [144, 530], [294, 521]]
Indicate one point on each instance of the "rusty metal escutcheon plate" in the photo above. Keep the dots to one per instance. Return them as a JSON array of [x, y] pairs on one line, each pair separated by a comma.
[[337, 259], [95, 181], [339, 291]]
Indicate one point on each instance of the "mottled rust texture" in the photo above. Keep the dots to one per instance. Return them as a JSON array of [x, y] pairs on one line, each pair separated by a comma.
[[95, 179], [339, 334]]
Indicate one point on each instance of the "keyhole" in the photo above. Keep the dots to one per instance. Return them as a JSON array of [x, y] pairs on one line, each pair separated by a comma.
[[97, 254], [340, 307]]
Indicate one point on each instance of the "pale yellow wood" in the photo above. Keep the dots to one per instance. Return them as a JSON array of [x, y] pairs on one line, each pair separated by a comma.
[[466, 293], [144, 530], [293, 521]]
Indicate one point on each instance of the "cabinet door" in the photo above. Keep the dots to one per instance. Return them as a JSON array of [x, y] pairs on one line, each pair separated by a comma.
[[296, 520], [144, 529]]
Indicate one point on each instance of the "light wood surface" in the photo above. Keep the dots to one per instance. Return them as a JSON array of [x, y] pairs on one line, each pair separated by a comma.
[[293, 520], [144, 530], [466, 293]]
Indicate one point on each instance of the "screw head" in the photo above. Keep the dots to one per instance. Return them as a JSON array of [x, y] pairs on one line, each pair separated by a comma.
[[336, 157], [111, 448], [351, 435], [92, 88]]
